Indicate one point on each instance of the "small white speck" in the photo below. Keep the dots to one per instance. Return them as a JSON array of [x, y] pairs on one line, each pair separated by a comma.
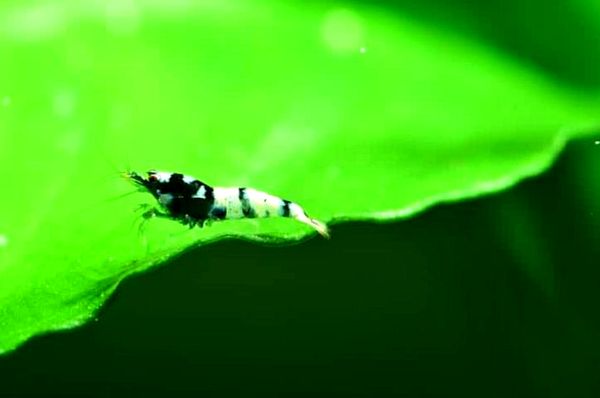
[[6, 101], [597, 142], [3, 240], [363, 50]]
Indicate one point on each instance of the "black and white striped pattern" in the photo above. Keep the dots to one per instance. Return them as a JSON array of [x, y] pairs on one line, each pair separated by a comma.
[[193, 202]]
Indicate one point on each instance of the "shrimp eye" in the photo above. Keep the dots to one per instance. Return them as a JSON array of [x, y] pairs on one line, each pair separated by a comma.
[[152, 177]]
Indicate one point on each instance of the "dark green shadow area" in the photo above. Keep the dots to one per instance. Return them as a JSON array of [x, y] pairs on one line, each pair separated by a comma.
[[559, 37], [445, 304]]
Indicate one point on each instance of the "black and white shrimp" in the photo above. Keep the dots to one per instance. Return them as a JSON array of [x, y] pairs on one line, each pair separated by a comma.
[[191, 202]]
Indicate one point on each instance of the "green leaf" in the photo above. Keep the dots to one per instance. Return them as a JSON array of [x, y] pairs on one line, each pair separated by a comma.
[[353, 113]]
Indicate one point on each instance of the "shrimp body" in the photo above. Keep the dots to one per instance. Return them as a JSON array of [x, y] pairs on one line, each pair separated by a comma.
[[192, 202]]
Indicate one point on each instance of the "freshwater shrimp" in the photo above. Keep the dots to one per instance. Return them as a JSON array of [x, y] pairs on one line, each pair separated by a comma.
[[193, 203]]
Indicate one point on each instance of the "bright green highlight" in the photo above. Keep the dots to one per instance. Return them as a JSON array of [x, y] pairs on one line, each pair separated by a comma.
[[351, 113]]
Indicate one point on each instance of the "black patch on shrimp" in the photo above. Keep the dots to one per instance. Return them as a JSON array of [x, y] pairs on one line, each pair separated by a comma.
[[285, 208], [191, 209], [178, 187], [219, 213], [247, 208]]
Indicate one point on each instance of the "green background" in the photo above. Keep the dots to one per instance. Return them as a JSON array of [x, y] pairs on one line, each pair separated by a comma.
[[490, 297]]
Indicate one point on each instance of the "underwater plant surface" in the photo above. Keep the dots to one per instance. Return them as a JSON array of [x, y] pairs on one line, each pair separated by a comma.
[[437, 305], [354, 113]]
